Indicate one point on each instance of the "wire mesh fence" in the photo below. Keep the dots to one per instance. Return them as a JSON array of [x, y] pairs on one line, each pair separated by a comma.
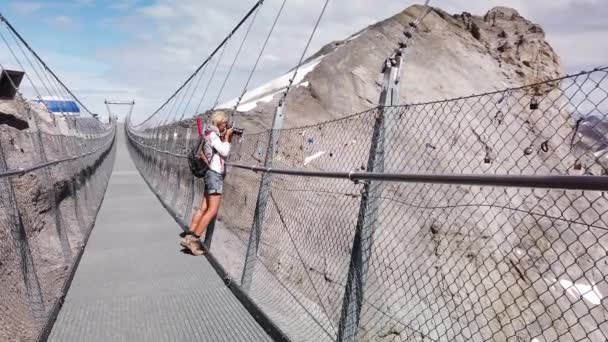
[[56, 158], [47, 211], [372, 260]]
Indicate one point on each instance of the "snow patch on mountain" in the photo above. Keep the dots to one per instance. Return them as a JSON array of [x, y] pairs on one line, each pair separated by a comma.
[[266, 92]]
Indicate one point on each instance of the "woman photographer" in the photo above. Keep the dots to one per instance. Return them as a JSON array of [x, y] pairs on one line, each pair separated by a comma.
[[217, 138]]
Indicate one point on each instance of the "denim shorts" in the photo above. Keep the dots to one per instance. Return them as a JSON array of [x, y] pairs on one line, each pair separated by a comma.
[[214, 183]]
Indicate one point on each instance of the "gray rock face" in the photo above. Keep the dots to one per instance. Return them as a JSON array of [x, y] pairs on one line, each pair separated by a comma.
[[448, 262], [451, 56], [40, 241]]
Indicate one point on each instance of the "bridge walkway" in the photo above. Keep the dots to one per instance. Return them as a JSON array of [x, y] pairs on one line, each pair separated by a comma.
[[134, 283]]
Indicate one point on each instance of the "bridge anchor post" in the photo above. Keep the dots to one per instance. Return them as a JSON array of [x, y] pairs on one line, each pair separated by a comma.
[[262, 201], [363, 241]]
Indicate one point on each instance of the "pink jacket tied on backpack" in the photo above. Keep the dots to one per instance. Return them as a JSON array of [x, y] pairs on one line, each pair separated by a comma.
[[215, 149]]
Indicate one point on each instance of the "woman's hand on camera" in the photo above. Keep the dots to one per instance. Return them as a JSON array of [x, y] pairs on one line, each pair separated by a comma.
[[229, 133]]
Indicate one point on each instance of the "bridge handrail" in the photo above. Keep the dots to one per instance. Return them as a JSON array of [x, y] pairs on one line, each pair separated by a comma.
[[22, 171], [455, 203]]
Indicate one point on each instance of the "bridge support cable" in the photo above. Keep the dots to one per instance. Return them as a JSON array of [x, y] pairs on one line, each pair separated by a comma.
[[264, 190], [257, 61], [37, 90], [312, 34], [211, 78], [56, 88], [38, 137], [277, 126], [53, 89], [43, 63], [27, 75], [173, 114], [367, 219], [194, 90], [236, 56], [175, 103], [211, 228], [220, 46]]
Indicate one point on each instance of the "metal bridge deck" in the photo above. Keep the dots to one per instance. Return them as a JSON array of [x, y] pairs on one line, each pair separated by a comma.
[[134, 283]]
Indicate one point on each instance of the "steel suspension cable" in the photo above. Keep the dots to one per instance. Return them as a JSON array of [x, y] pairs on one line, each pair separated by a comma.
[[166, 113], [21, 66], [24, 42], [194, 90], [220, 46], [301, 259], [274, 24], [176, 103], [53, 85], [201, 75], [312, 34], [219, 60], [186, 91], [238, 52], [179, 100], [33, 67]]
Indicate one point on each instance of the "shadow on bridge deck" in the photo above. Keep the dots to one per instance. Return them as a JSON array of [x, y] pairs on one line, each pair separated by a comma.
[[134, 283]]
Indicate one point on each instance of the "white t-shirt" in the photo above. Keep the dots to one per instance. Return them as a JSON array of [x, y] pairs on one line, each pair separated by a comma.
[[220, 151]]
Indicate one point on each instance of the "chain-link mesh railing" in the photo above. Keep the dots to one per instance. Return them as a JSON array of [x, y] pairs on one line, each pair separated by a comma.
[[55, 162], [329, 252], [46, 216]]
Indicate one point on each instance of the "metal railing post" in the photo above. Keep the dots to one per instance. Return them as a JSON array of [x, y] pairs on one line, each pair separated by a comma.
[[192, 180], [262, 200], [368, 210], [165, 171], [178, 166]]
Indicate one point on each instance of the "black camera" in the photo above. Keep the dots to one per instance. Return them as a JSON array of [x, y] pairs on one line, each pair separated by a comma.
[[236, 131]]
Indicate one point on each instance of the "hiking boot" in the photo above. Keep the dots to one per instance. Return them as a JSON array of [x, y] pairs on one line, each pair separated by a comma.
[[195, 246], [184, 240]]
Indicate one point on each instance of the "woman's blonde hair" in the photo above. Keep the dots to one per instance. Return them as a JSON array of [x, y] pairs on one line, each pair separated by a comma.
[[218, 117]]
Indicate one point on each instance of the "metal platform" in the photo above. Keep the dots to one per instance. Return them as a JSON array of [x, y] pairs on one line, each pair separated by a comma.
[[135, 284]]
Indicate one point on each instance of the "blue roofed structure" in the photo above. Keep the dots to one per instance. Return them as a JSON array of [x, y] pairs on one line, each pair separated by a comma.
[[59, 105]]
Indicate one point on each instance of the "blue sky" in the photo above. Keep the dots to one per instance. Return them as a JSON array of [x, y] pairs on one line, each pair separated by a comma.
[[142, 49], [64, 26]]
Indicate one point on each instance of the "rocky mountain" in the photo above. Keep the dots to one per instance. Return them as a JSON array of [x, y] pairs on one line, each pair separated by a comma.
[[451, 56], [449, 262]]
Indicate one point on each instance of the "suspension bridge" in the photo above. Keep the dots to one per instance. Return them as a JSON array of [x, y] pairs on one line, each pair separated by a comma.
[[479, 218]]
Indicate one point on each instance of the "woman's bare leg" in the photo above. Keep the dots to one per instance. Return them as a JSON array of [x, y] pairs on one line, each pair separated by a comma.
[[198, 214], [213, 206]]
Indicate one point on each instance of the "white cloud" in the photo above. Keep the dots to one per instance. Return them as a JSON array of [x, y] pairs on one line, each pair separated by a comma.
[[123, 5], [85, 2], [27, 7], [581, 50], [159, 11], [181, 34], [65, 22], [168, 39]]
